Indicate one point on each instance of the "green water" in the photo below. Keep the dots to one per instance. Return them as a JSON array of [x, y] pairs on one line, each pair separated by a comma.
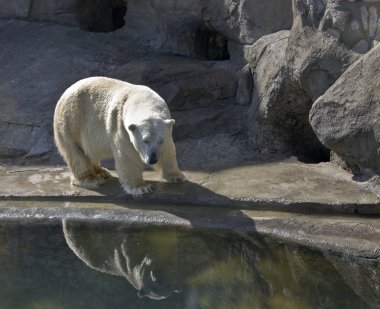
[[79, 264]]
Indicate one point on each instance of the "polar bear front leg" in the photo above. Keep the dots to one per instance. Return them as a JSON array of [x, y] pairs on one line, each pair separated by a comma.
[[130, 174], [168, 163]]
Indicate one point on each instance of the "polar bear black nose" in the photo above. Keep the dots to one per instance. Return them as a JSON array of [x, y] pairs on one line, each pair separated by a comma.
[[153, 158]]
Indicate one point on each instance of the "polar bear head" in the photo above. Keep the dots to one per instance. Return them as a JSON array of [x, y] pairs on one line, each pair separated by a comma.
[[148, 137]]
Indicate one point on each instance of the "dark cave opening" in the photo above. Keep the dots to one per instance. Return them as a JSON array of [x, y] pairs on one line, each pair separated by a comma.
[[101, 15], [210, 44], [316, 155]]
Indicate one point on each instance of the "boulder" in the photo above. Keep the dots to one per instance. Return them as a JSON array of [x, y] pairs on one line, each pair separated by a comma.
[[245, 21], [289, 72], [267, 65], [346, 118]]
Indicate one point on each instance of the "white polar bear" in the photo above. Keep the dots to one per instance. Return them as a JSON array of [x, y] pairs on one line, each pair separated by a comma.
[[99, 117]]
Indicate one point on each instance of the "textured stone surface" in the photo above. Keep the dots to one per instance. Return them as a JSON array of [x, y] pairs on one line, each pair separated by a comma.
[[202, 28], [354, 23], [39, 62], [55, 10], [269, 199], [349, 235], [347, 117], [267, 64], [253, 185], [289, 72], [196, 28]]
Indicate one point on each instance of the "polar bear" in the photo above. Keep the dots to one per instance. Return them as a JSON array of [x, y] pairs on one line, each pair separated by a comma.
[[100, 117]]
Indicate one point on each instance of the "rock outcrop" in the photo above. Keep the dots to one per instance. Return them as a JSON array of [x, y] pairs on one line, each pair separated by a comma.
[[290, 71], [347, 117]]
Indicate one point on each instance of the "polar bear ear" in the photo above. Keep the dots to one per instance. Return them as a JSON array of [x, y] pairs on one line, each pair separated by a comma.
[[169, 122], [132, 127]]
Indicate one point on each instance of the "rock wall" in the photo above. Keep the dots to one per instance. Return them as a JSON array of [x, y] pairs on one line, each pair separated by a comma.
[[189, 28], [290, 70], [192, 53], [74, 39], [61, 11], [346, 118], [198, 27]]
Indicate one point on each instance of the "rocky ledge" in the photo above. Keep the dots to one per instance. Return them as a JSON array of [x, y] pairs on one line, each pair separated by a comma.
[[315, 205]]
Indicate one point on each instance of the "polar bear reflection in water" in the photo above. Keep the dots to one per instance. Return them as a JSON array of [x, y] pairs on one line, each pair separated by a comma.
[[191, 268], [162, 262], [122, 253]]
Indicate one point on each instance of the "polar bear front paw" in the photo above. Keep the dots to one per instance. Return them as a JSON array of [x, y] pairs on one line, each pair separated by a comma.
[[177, 177], [139, 190], [89, 182]]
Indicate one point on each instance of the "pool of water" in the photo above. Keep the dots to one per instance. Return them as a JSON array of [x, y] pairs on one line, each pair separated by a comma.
[[94, 264]]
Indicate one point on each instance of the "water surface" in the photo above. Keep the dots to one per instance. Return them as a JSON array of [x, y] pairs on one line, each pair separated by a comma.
[[84, 264]]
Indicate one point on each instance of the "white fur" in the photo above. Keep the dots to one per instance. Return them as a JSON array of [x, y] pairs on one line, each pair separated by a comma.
[[99, 117]]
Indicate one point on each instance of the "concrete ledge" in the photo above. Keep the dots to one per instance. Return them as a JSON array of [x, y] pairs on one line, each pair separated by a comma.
[[280, 186], [313, 205], [356, 236]]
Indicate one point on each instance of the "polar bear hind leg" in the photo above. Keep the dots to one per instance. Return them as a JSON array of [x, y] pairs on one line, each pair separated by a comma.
[[84, 172]]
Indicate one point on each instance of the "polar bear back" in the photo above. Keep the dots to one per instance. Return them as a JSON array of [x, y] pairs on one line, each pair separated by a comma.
[[102, 94]]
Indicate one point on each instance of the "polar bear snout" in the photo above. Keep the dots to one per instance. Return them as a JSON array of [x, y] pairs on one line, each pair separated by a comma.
[[152, 158]]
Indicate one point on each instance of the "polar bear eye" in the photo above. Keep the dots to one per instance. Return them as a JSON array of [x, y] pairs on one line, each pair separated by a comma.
[[146, 141], [160, 141]]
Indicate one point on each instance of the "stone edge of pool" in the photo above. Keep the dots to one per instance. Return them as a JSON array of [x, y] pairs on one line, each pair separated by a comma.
[[313, 205], [353, 235]]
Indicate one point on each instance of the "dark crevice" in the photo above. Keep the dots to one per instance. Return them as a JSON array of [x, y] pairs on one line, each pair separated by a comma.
[[101, 15], [118, 14], [317, 155], [209, 43]]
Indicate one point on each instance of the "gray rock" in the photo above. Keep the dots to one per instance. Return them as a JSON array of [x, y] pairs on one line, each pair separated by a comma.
[[189, 28], [245, 21], [290, 71], [55, 10], [267, 62], [202, 28], [361, 47], [183, 83], [346, 117], [39, 61], [15, 9], [357, 21]]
